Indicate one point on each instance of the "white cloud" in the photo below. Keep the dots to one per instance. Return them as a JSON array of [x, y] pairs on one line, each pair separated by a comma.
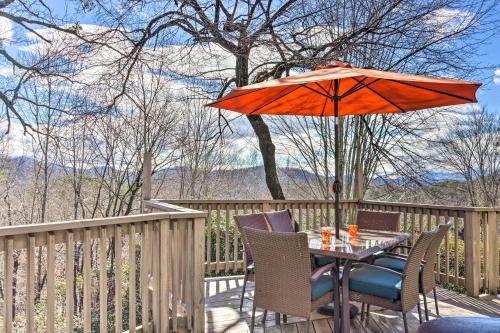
[[6, 31], [496, 78]]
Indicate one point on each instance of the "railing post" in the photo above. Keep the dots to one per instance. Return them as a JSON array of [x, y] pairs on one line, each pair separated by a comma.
[[199, 276], [472, 231], [491, 247]]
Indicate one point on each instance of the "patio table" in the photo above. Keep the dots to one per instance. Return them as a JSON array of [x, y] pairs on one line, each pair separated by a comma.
[[349, 248]]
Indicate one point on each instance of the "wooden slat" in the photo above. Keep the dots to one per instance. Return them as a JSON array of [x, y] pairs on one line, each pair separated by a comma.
[[176, 273], [472, 253], [131, 279], [165, 267], [189, 281], [70, 279], [51, 294], [156, 275], [235, 239], [447, 251], [492, 245], [226, 239], [209, 236], [217, 239], [30, 286], [145, 256], [198, 278], [103, 281], [87, 287], [118, 280], [8, 272]]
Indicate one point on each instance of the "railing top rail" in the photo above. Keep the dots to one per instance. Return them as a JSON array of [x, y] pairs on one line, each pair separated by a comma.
[[92, 223], [252, 201], [427, 206]]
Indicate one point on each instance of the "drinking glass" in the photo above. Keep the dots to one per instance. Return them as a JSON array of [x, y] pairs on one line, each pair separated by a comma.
[[353, 230], [326, 234]]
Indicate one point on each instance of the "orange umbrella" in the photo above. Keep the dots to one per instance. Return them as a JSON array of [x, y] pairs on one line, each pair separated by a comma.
[[339, 89]]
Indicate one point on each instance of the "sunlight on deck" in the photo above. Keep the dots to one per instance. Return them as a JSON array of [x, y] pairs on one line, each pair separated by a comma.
[[222, 297]]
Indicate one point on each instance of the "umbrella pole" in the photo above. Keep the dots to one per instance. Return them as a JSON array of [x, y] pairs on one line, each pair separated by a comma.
[[337, 185]]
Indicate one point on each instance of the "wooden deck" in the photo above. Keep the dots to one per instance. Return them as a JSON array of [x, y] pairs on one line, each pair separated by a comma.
[[222, 297]]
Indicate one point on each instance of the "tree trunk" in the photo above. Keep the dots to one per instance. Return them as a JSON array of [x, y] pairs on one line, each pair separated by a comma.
[[266, 145]]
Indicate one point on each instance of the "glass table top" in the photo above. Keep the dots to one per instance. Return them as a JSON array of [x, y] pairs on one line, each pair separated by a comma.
[[364, 244]]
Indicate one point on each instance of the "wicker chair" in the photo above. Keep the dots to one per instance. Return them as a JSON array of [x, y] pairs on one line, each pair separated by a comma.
[[367, 219], [281, 221], [427, 275], [384, 287], [386, 221], [253, 221], [283, 279]]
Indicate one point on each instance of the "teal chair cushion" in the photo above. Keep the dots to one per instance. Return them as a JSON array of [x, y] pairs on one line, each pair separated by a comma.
[[392, 263], [320, 260], [375, 282], [321, 286]]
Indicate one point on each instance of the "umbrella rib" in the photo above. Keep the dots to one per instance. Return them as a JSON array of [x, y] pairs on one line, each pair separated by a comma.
[[358, 86], [383, 97], [326, 92], [434, 90], [314, 90], [326, 98], [274, 100]]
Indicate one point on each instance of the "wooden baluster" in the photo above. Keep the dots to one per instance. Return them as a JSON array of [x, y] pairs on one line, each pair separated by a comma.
[[438, 263], [156, 275], [118, 279], [308, 225], [227, 242], [209, 239], [189, 262], [131, 279], [87, 315], [235, 239], [491, 244], [446, 251], [217, 241], [301, 227], [145, 257], [420, 220], [30, 286], [8, 261], [70, 279], [51, 294], [321, 217], [175, 271], [165, 267], [411, 215], [198, 276], [103, 280]]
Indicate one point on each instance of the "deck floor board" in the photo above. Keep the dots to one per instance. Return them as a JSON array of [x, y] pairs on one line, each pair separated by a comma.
[[222, 301]]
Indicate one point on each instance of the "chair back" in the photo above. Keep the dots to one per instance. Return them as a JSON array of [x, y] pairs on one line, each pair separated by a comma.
[[282, 271], [411, 272], [253, 221], [280, 221], [384, 221], [430, 258]]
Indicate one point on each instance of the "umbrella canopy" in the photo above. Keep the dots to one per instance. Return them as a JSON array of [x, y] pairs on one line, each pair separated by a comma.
[[359, 91], [339, 89]]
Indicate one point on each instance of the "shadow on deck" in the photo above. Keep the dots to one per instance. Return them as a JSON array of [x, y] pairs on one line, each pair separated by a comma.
[[222, 299]]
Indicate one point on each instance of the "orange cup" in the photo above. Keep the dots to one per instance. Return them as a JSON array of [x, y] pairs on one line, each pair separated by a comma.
[[326, 235], [353, 229]]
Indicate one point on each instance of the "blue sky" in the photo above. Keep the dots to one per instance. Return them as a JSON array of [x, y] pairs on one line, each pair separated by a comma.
[[489, 94]]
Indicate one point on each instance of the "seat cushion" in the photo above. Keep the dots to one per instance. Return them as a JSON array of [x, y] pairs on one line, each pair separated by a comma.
[[375, 282], [320, 260], [461, 325], [392, 263], [321, 286]]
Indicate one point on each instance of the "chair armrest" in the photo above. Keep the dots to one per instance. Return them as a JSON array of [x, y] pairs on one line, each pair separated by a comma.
[[316, 274], [397, 256], [380, 268], [401, 247]]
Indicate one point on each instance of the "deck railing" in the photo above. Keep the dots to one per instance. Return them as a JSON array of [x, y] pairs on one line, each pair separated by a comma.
[[137, 273], [469, 255]]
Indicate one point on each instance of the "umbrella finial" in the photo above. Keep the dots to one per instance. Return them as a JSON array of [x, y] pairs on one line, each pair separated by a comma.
[[334, 64]]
